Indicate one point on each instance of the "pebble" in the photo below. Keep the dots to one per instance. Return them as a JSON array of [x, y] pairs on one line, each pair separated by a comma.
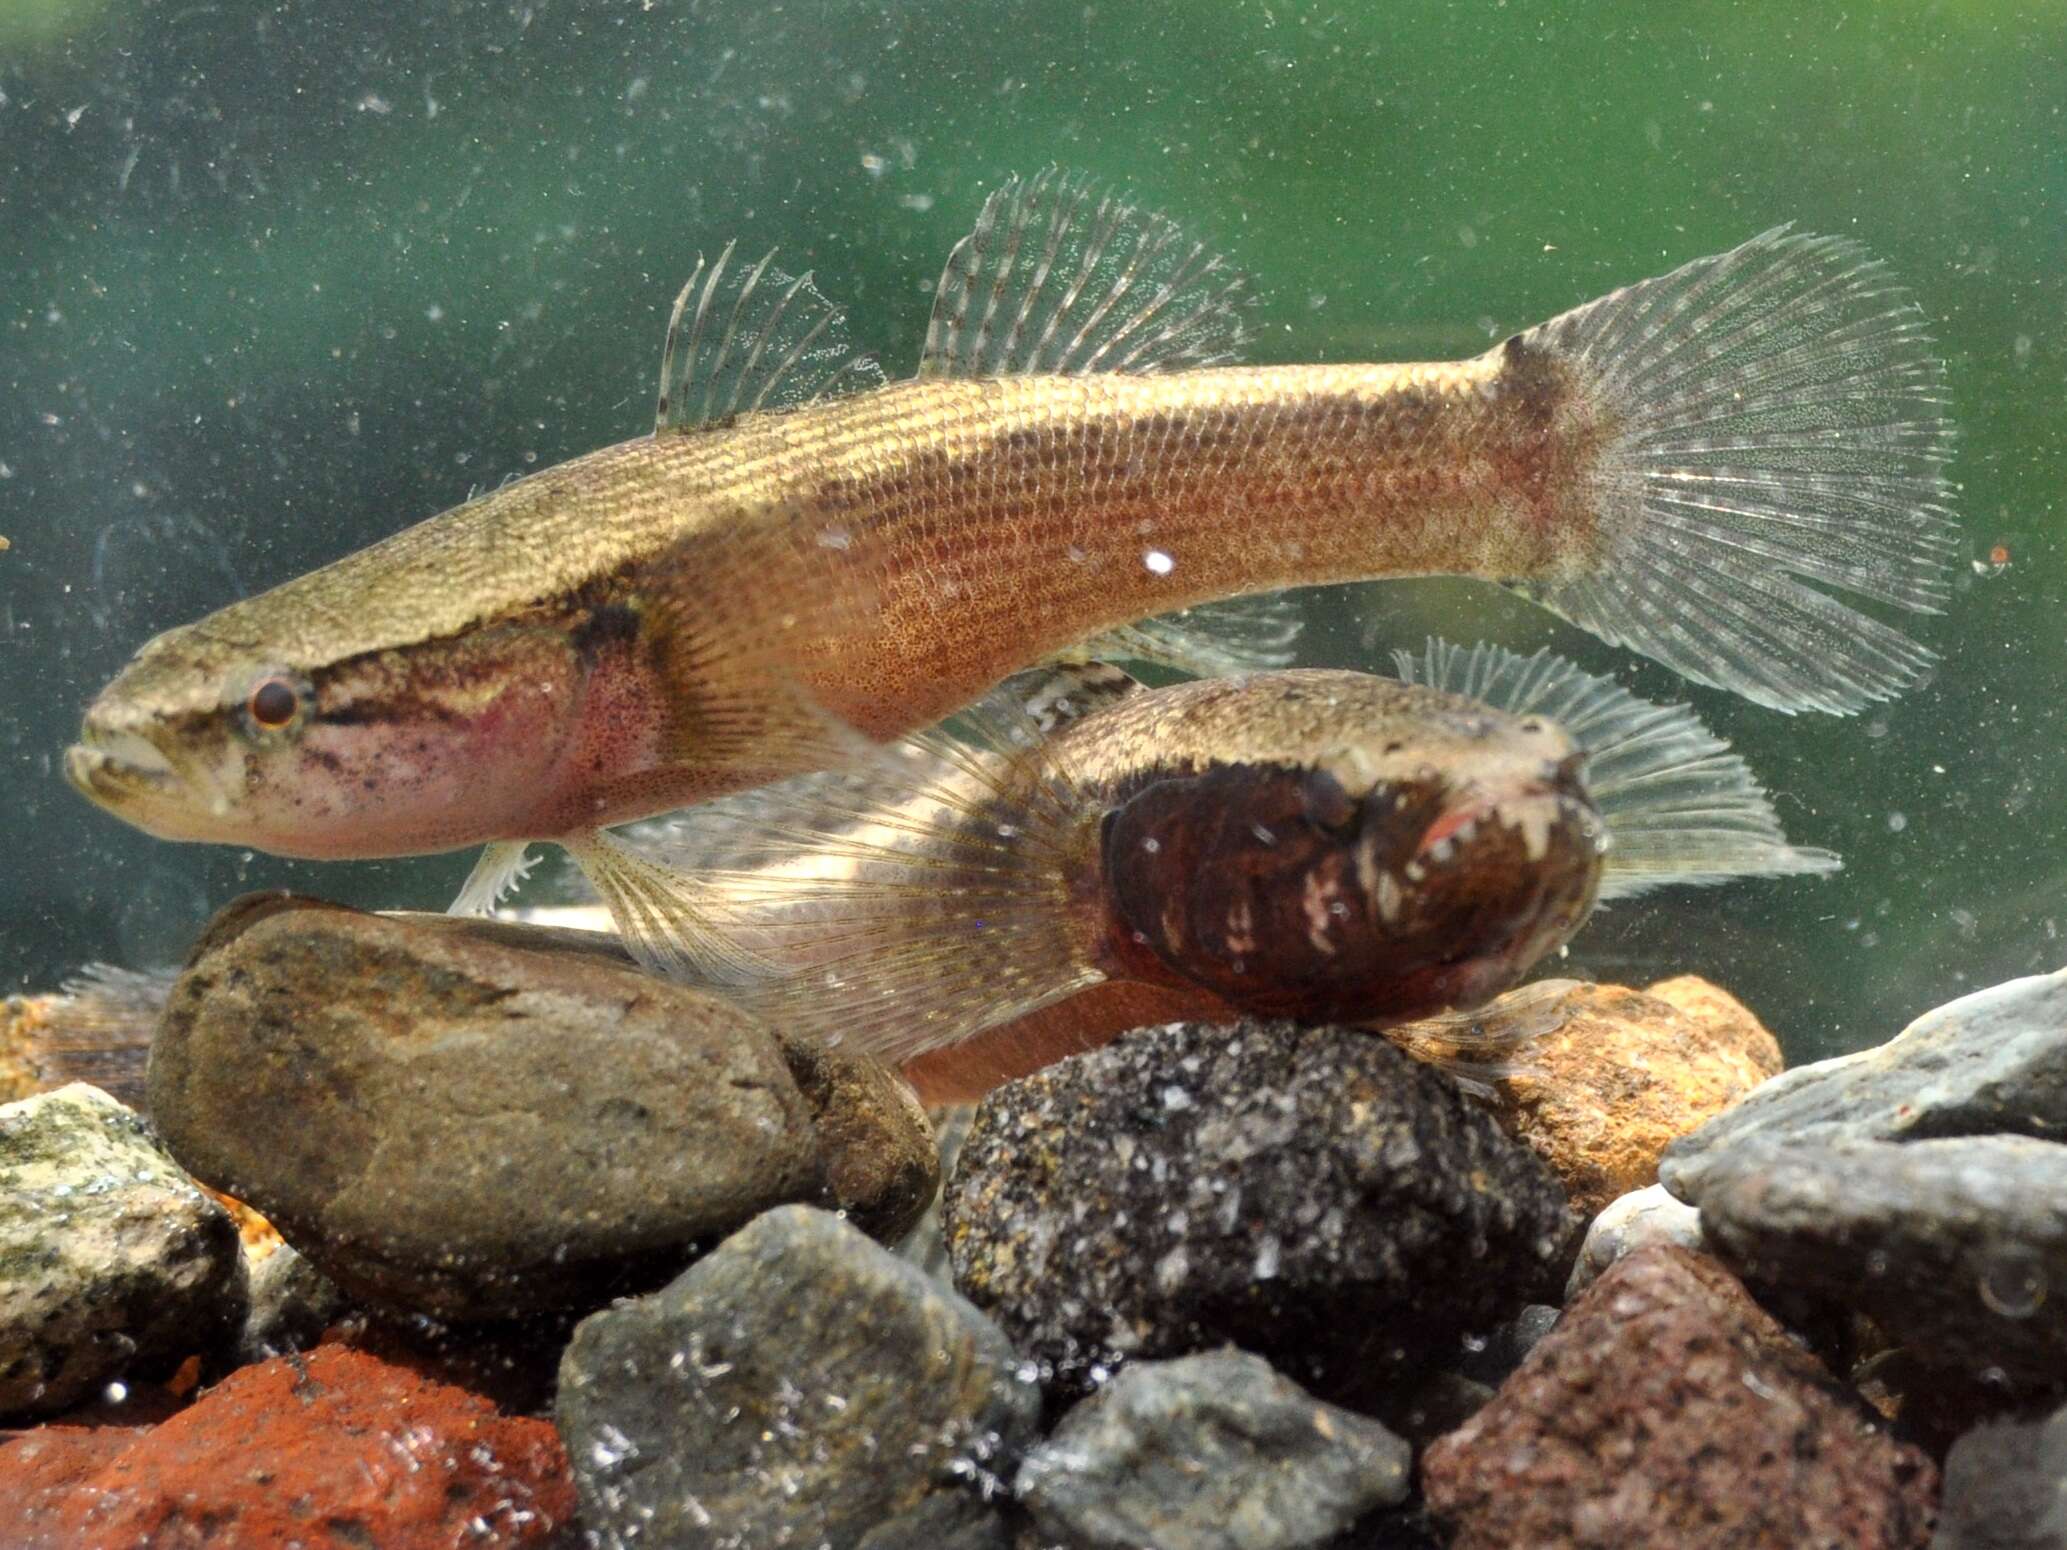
[[1668, 1409], [1210, 1452], [338, 1448], [111, 1260], [798, 1385], [1956, 1248], [2006, 1487], [1627, 1073], [1631, 1222], [1309, 1194], [477, 1119], [292, 1303], [1991, 1063]]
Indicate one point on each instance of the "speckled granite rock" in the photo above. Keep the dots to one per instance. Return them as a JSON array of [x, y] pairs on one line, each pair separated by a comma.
[[1211, 1452], [797, 1385], [110, 1257], [1309, 1194], [1957, 1248], [1667, 1411], [2006, 1487], [338, 1448], [1992, 1063], [1628, 1073], [476, 1119], [1631, 1222]]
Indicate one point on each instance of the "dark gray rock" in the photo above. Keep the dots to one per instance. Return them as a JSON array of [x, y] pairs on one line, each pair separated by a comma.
[[1490, 1358], [111, 1260], [2006, 1487], [924, 1246], [1309, 1194], [1957, 1249], [800, 1386], [1992, 1063], [1212, 1452], [292, 1303], [475, 1119]]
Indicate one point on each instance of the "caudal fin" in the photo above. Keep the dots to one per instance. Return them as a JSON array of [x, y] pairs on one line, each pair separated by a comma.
[[1776, 419]]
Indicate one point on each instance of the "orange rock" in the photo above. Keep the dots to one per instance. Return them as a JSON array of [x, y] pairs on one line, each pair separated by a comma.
[[1628, 1073], [20, 1017], [340, 1446]]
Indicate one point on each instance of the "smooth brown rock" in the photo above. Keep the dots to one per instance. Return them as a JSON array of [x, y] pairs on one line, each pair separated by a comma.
[[477, 1119], [1627, 1074], [1667, 1410]]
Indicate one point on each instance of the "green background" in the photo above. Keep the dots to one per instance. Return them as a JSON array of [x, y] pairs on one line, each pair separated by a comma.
[[276, 279]]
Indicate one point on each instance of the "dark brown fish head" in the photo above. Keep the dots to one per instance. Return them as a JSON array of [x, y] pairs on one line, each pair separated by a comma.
[[1421, 869]]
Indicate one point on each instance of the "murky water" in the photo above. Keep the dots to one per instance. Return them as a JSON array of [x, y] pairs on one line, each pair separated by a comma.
[[275, 280]]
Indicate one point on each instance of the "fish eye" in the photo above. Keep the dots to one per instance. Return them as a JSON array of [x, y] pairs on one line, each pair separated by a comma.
[[276, 702]]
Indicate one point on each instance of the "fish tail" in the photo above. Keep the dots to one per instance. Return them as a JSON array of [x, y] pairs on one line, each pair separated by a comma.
[[1766, 423], [97, 1029]]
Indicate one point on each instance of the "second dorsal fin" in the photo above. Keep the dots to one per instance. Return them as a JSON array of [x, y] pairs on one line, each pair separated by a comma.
[[1065, 276], [747, 336]]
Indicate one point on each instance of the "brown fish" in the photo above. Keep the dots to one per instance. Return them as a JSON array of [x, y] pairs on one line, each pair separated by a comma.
[[1328, 846], [801, 558]]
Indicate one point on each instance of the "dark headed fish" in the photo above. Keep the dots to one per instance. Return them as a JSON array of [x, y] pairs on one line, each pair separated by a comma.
[[802, 558], [1090, 855]]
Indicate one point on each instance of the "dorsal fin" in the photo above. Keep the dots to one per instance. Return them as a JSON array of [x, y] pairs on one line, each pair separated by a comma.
[[1065, 276], [1058, 694], [1237, 635], [1679, 806], [756, 338]]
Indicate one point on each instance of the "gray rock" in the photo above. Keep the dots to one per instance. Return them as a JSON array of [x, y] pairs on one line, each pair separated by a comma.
[[1957, 1249], [292, 1303], [1490, 1358], [475, 1119], [111, 1260], [1992, 1063], [1309, 1194], [799, 1385], [1212, 1452], [924, 1246], [2006, 1487], [1628, 1223]]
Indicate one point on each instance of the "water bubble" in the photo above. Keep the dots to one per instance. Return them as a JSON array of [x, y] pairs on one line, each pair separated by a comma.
[[2014, 1286], [1158, 562]]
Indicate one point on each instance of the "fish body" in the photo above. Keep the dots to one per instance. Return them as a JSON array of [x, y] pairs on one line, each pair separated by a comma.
[[759, 592], [1089, 855]]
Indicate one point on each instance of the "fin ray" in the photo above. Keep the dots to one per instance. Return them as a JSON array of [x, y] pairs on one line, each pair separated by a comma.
[[1777, 425], [1239, 635], [1680, 808], [498, 872], [1062, 275], [758, 339]]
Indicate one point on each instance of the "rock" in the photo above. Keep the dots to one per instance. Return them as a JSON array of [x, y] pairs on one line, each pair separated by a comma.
[[19, 1016], [337, 1448], [1309, 1194], [42, 1472], [1992, 1063], [798, 1385], [2006, 1487], [924, 1246], [1633, 1221], [111, 1260], [292, 1303], [476, 1119], [1667, 1410], [1957, 1248], [1627, 1073], [1212, 1452], [1488, 1359]]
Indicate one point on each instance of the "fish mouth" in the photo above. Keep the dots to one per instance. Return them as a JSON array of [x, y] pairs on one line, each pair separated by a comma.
[[116, 768]]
